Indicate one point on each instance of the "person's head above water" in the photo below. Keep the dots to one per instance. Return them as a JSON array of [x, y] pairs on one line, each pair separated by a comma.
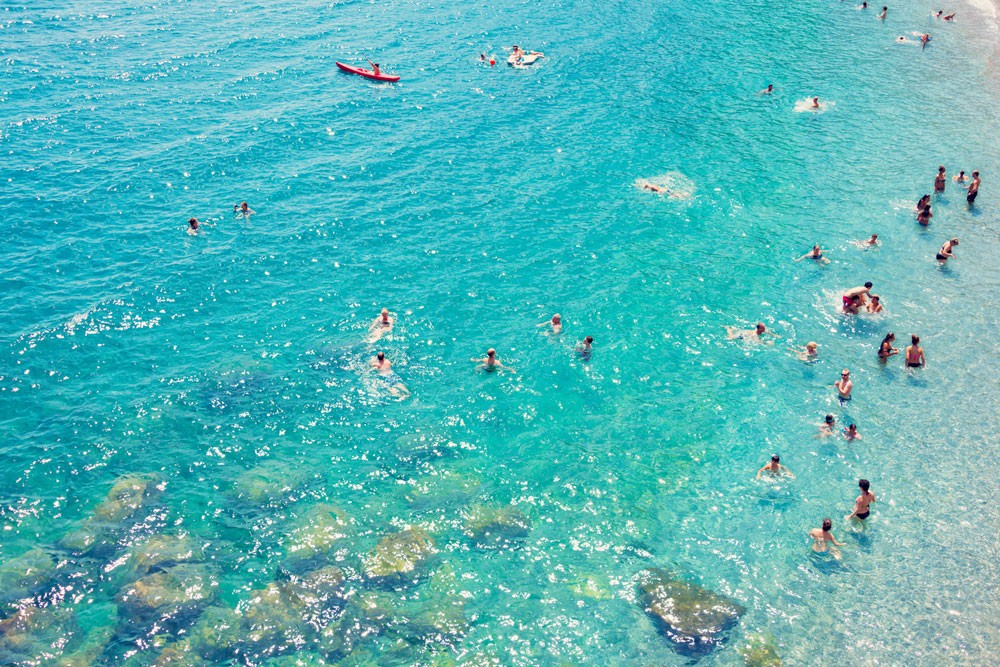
[[775, 458], [588, 340], [829, 419], [193, 222], [954, 241], [381, 356], [491, 352], [914, 339], [941, 169], [827, 524], [760, 328], [863, 483], [811, 346], [557, 318], [868, 284]]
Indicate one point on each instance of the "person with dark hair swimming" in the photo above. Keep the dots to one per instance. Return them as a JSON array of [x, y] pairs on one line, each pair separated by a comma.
[[925, 215], [826, 428], [585, 348], [816, 253], [775, 468], [862, 504]]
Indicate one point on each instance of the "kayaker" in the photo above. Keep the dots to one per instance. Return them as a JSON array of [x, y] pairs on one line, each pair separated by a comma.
[[374, 67]]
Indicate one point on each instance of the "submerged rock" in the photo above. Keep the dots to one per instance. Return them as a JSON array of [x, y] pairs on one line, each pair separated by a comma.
[[127, 497], [217, 636], [496, 527], [760, 651], [29, 634], [171, 596], [314, 536], [25, 575], [692, 617], [366, 617], [276, 619], [270, 482], [445, 489], [400, 555], [163, 551]]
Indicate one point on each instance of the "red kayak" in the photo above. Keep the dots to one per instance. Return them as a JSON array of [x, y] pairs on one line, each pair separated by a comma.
[[367, 73]]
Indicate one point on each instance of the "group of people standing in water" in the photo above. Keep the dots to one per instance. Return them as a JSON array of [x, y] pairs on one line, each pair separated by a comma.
[[853, 301]]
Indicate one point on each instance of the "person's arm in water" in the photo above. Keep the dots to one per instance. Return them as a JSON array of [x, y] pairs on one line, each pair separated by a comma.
[[833, 540]]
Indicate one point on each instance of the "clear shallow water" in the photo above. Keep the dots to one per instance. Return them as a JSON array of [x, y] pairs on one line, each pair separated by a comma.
[[475, 202]]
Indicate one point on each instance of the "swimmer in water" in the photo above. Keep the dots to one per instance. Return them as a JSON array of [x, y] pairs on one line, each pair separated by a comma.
[[881, 17], [816, 253], [382, 325], [655, 188], [859, 292], [851, 432], [774, 468], [826, 428], [924, 41], [944, 254], [381, 364], [921, 203], [973, 189], [885, 348], [940, 180], [914, 356], [555, 323], [809, 353], [768, 90], [750, 335], [824, 541], [925, 215], [865, 244], [961, 178], [948, 17], [844, 387], [193, 226], [852, 305], [243, 209], [875, 305], [864, 5], [490, 362], [815, 103], [585, 348], [862, 509]]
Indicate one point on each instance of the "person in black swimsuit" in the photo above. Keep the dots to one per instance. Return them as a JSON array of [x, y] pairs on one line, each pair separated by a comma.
[[861, 505], [945, 253]]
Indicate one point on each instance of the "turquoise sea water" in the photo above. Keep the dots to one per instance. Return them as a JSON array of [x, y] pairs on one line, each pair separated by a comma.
[[231, 367]]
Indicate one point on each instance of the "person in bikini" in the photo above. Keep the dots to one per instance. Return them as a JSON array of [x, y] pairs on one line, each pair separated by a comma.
[[945, 253], [924, 201], [885, 349], [816, 253], [824, 541], [925, 215], [940, 180], [862, 504], [585, 348], [915, 354]]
